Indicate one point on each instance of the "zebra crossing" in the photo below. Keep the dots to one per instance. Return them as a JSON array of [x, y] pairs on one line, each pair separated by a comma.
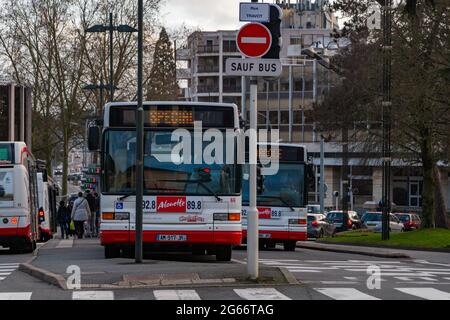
[[262, 294], [419, 272], [7, 269]]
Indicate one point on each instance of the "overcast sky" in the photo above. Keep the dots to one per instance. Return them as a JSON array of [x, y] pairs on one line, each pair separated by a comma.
[[208, 15]]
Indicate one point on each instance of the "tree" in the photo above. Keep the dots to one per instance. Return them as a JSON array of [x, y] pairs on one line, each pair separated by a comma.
[[163, 85], [45, 46], [420, 90]]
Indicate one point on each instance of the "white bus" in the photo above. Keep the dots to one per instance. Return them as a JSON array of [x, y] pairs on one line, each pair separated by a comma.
[[18, 198], [282, 202], [47, 209], [194, 206]]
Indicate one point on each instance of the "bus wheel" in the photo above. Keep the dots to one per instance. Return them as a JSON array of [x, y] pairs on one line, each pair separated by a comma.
[[128, 252], [223, 253], [28, 247], [198, 251], [290, 245], [111, 252]]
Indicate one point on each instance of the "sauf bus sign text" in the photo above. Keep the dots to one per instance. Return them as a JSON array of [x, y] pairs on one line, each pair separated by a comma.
[[254, 40]]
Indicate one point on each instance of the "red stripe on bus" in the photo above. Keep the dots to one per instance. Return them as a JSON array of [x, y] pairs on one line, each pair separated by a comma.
[[16, 232], [193, 237], [281, 235]]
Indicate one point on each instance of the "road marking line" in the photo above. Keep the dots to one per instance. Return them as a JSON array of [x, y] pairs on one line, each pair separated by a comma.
[[426, 293], [15, 295], [256, 40], [345, 294], [5, 273], [351, 278], [306, 271], [7, 270], [261, 294], [338, 282], [176, 295], [2, 278], [9, 264], [93, 295], [65, 244]]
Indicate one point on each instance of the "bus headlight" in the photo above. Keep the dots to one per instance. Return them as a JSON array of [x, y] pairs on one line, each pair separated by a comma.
[[297, 221], [227, 217], [122, 216], [220, 216]]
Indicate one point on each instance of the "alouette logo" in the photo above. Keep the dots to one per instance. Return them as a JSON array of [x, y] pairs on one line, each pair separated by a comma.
[[171, 204], [265, 213]]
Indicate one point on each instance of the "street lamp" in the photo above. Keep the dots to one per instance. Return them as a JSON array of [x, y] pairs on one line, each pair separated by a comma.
[[111, 28]]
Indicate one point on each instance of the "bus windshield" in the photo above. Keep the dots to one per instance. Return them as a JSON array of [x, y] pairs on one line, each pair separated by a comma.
[[161, 174], [6, 154], [285, 189]]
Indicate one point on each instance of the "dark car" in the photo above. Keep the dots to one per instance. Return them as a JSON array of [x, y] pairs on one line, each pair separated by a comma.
[[411, 221], [2, 191], [344, 222], [319, 227]]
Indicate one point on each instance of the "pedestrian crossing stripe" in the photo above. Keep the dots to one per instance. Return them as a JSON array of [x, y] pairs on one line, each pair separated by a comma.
[[261, 294], [341, 293], [426, 293], [176, 295], [345, 294], [93, 295], [15, 296]]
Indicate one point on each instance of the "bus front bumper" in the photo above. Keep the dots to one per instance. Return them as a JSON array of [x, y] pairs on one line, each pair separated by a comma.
[[113, 237]]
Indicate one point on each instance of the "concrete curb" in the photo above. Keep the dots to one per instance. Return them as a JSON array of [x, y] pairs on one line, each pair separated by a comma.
[[44, 275], [343, 249], [290, 278]]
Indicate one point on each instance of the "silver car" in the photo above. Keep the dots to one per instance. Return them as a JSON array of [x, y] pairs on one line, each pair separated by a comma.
[[373, 221]]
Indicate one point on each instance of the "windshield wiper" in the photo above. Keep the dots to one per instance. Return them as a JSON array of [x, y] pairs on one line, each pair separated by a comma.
[[199, 182], [124, 197], [279, 198]]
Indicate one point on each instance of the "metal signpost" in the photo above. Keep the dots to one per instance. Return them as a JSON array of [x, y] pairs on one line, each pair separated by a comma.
[[255, 41]]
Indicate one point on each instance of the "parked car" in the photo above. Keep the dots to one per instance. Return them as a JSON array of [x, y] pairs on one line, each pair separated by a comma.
[[319, 227], [344, 222], [373, 221], [2, 191], [411, 221]]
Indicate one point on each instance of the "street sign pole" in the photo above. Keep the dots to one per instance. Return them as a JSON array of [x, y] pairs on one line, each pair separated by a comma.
[[322, 174], [253, 216], [139, 139]]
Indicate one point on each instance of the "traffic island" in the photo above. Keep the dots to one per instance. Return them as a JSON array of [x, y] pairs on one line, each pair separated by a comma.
[[58, 265]]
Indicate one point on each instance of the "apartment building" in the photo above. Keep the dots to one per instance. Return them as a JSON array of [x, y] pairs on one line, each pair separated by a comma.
[[15, 112], [286, 103]]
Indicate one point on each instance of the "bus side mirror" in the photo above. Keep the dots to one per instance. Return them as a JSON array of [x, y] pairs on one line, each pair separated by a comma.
[[94, 138]]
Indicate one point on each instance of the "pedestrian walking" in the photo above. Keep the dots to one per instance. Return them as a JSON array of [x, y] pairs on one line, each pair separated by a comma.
[[80, 214], [91, 221], [63, 218], [97, 213]]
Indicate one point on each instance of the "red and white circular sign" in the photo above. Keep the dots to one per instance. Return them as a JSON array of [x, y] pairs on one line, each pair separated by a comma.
[[254, 40]]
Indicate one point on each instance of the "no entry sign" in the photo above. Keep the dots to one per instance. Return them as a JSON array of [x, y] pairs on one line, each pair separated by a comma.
[[254, 40]]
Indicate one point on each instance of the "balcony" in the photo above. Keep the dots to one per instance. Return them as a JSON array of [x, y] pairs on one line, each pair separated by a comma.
[[207, 69], [207, 49], [183, 54], [232, 89], [208, 89], [230, 48]]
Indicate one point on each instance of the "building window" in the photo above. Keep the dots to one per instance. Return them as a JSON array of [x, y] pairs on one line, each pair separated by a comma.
[[296, 40]]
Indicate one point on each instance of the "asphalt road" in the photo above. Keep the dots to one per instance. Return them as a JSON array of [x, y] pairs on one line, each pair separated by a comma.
[[321, 276]]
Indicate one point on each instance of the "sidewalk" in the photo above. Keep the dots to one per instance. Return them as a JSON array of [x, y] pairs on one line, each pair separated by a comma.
[[343, 248], [158, 269]]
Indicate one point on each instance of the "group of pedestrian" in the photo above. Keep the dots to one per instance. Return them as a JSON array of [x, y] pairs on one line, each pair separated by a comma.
[[83, 212]]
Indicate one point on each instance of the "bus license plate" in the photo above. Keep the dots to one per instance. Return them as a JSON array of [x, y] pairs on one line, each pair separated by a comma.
[[171, 237]]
